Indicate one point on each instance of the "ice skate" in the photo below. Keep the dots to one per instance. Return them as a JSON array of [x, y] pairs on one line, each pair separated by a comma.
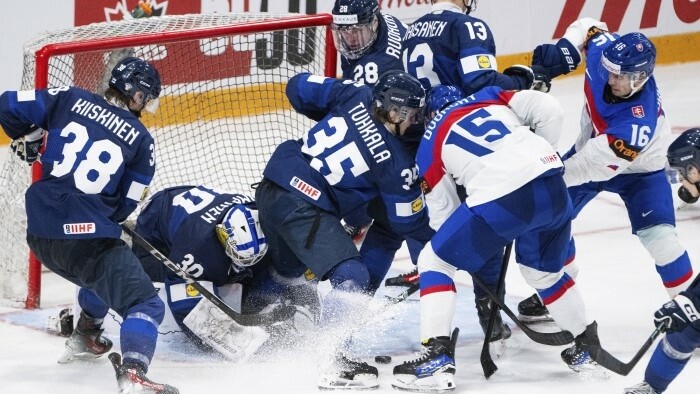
[[531, 311], [347, 374], [501, 331], [577, 356], [433, 372], [404, 279], [86, 341], [641, 388], [132, 379]]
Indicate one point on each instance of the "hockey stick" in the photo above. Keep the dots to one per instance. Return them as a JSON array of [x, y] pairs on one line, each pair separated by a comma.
[[278, 314], [487, 363], [404, 294], [608, 361], [558, 338]]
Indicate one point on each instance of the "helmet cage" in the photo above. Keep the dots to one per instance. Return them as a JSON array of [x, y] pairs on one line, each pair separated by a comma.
[[354, 39]]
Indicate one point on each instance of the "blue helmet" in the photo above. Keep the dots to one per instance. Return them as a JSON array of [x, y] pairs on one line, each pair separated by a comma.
[[399, 91], [355, 26], [132, 74], [685, 151], [633, 57], [439, 97]]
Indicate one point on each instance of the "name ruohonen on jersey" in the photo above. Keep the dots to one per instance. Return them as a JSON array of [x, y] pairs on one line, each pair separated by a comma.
[[106, 118], [425, 29], [394, 46], [368, 131]]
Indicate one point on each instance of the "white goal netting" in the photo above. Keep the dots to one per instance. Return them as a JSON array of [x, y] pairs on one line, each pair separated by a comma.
[[222, 110]]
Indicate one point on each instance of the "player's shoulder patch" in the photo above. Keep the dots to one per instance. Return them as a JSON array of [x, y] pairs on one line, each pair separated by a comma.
[[623, 149]]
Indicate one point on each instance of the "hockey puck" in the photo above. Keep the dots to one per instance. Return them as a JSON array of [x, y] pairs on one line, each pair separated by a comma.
[[382, 359]]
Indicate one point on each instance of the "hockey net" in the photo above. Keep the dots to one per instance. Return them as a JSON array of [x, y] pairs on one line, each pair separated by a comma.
[[222, 110]]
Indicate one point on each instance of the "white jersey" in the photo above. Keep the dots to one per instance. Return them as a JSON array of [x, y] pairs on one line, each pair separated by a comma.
[[486, 144]]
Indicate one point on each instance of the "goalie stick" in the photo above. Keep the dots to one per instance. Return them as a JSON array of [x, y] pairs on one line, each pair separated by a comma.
[[280, 313], [487, 363], [558, 338]]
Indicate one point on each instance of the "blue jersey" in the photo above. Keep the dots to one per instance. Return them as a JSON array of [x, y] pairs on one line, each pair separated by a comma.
[[385, 54], [180, 222], [97, 164], [448, 47], [348, 158]]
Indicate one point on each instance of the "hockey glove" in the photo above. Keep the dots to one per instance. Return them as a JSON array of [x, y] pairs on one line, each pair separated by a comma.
[[556, 59], [536, 77], [677, 314], [27, 147]]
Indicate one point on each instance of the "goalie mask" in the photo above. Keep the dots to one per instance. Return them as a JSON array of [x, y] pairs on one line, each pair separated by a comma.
[[242, 237]]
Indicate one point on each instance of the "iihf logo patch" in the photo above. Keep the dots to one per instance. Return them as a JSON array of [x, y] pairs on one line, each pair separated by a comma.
[[305, 188], [638, 111]]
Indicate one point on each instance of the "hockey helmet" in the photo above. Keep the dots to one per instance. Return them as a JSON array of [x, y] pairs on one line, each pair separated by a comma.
[[241, 235], [133, 75], [355, 26]]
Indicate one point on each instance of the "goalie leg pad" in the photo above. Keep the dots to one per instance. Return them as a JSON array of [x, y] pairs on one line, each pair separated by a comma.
[[215, 328]]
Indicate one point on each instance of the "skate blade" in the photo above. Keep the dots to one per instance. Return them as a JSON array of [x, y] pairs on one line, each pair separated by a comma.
[[360, 382], [535, 319], [438, 383], [69, 357]]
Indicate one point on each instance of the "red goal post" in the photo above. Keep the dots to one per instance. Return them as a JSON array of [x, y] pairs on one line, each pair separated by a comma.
[[222, 110]]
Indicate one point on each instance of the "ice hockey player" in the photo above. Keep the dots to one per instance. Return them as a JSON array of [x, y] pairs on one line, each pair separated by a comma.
[[215, 237], [622, 144], [515, 191], [370, 44], [350, 157], [680, 315], [97, 164]]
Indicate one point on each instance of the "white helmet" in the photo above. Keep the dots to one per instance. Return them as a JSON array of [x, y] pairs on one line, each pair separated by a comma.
[[242, 237]]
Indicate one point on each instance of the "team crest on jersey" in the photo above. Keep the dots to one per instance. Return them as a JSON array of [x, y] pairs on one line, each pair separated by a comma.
[[484, 62], [191, 291], [638, 111], [79, 228], [305, 188]]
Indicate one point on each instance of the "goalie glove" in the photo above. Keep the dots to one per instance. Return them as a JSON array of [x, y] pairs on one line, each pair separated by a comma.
[[677, 314], [536, 77], [27, 147]]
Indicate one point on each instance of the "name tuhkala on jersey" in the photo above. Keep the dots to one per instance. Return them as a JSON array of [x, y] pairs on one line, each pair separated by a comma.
[[368, 131]]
